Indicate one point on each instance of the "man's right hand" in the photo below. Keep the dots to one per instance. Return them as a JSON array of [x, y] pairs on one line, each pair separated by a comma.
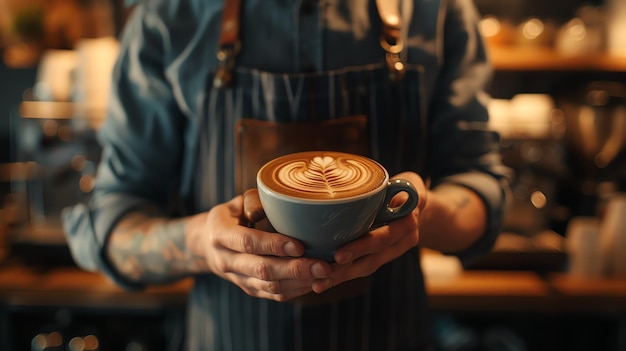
[[263, 264]]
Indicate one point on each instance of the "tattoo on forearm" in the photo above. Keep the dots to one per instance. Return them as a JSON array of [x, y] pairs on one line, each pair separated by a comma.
[[151, 249]]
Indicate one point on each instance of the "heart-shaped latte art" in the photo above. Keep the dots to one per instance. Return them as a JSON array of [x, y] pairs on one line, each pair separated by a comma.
[[324, 174]]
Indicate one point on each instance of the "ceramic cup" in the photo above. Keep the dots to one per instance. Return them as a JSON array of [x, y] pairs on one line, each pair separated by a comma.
[[613, 232], [326, 199], [583, 247]]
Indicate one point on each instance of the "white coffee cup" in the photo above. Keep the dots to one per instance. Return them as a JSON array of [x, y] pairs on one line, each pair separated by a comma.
[[613, 231], [583, 247]]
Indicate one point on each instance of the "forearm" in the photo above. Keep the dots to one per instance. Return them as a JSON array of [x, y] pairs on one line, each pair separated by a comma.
[[146, 247], [454, 218]]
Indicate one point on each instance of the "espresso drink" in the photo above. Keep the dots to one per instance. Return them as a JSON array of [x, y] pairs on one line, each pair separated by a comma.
[[323, 175], [326, 199]]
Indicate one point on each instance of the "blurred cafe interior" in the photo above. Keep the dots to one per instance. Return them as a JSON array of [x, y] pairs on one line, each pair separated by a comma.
[[556, 279]]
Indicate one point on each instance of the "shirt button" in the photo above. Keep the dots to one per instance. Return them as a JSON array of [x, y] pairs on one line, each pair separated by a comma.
[[307, 7]]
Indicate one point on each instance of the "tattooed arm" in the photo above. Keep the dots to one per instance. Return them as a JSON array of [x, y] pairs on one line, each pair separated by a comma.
[[148, 248]]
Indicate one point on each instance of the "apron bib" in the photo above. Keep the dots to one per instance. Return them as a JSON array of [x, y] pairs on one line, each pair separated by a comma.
[[264, 115]]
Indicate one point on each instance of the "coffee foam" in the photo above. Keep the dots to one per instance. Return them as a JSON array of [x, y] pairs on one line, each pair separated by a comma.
[[322, 175]]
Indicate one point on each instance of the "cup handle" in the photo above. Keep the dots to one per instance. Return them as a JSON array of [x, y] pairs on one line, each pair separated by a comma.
[[387, 214]]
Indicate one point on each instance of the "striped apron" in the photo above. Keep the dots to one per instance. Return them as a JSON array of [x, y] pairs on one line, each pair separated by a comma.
[[391, 314]]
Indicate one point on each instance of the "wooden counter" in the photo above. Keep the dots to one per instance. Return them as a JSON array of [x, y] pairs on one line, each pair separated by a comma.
[[72, 287], [465, 291], [488, 290], [527, 291]]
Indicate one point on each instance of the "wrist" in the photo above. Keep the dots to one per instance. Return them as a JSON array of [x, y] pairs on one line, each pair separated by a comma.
[[453, 218]]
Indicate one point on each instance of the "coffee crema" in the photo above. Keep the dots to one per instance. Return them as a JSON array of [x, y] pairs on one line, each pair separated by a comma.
[[322, 175]]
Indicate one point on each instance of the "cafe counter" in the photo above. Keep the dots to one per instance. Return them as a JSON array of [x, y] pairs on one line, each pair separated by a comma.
[[36, 299], [452, 289]]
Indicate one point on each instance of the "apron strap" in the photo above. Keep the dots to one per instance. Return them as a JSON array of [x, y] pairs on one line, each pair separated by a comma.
[[230, 44], [390, 39]]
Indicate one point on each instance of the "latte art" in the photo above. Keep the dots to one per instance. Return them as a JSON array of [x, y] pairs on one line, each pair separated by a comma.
[[323, 175]]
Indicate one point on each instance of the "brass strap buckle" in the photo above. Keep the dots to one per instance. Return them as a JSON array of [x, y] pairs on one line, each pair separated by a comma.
[[390, 39], [229, 43], [226, 57], [394, 62]]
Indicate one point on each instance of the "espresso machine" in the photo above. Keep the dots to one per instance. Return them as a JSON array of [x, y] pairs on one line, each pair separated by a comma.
[[567, 155], [531, 130], [54, 144], [56, 155], [595, 137]]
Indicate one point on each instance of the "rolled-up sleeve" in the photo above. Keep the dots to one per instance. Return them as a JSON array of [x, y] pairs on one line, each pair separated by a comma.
[[141, 142], [464, 151]]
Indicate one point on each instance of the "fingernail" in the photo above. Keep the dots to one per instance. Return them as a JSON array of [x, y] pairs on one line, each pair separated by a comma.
[[318, 271], [290, 249], [344, 257], [321, 286]]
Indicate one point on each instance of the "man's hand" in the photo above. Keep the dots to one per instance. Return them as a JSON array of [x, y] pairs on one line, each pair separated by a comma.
[[364, 256], [263, 264]]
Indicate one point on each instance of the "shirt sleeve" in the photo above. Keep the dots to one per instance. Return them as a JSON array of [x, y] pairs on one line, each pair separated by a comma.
[[464, 151], [141, 144]]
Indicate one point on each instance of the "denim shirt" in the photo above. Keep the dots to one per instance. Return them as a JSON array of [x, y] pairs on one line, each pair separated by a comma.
[[168, 50]]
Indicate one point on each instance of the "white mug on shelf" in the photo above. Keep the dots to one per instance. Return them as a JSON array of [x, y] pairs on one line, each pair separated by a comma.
[[583, 247], [54, 75], [613, 232]]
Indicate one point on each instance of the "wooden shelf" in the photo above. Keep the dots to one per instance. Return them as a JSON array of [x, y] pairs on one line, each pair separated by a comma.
[[70, 286], [93, 116], [512, 58]]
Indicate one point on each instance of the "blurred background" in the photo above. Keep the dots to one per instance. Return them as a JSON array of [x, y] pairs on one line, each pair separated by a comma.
[[556, 279]]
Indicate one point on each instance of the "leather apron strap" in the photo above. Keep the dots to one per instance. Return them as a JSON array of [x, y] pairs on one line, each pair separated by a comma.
[[230, 44]]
